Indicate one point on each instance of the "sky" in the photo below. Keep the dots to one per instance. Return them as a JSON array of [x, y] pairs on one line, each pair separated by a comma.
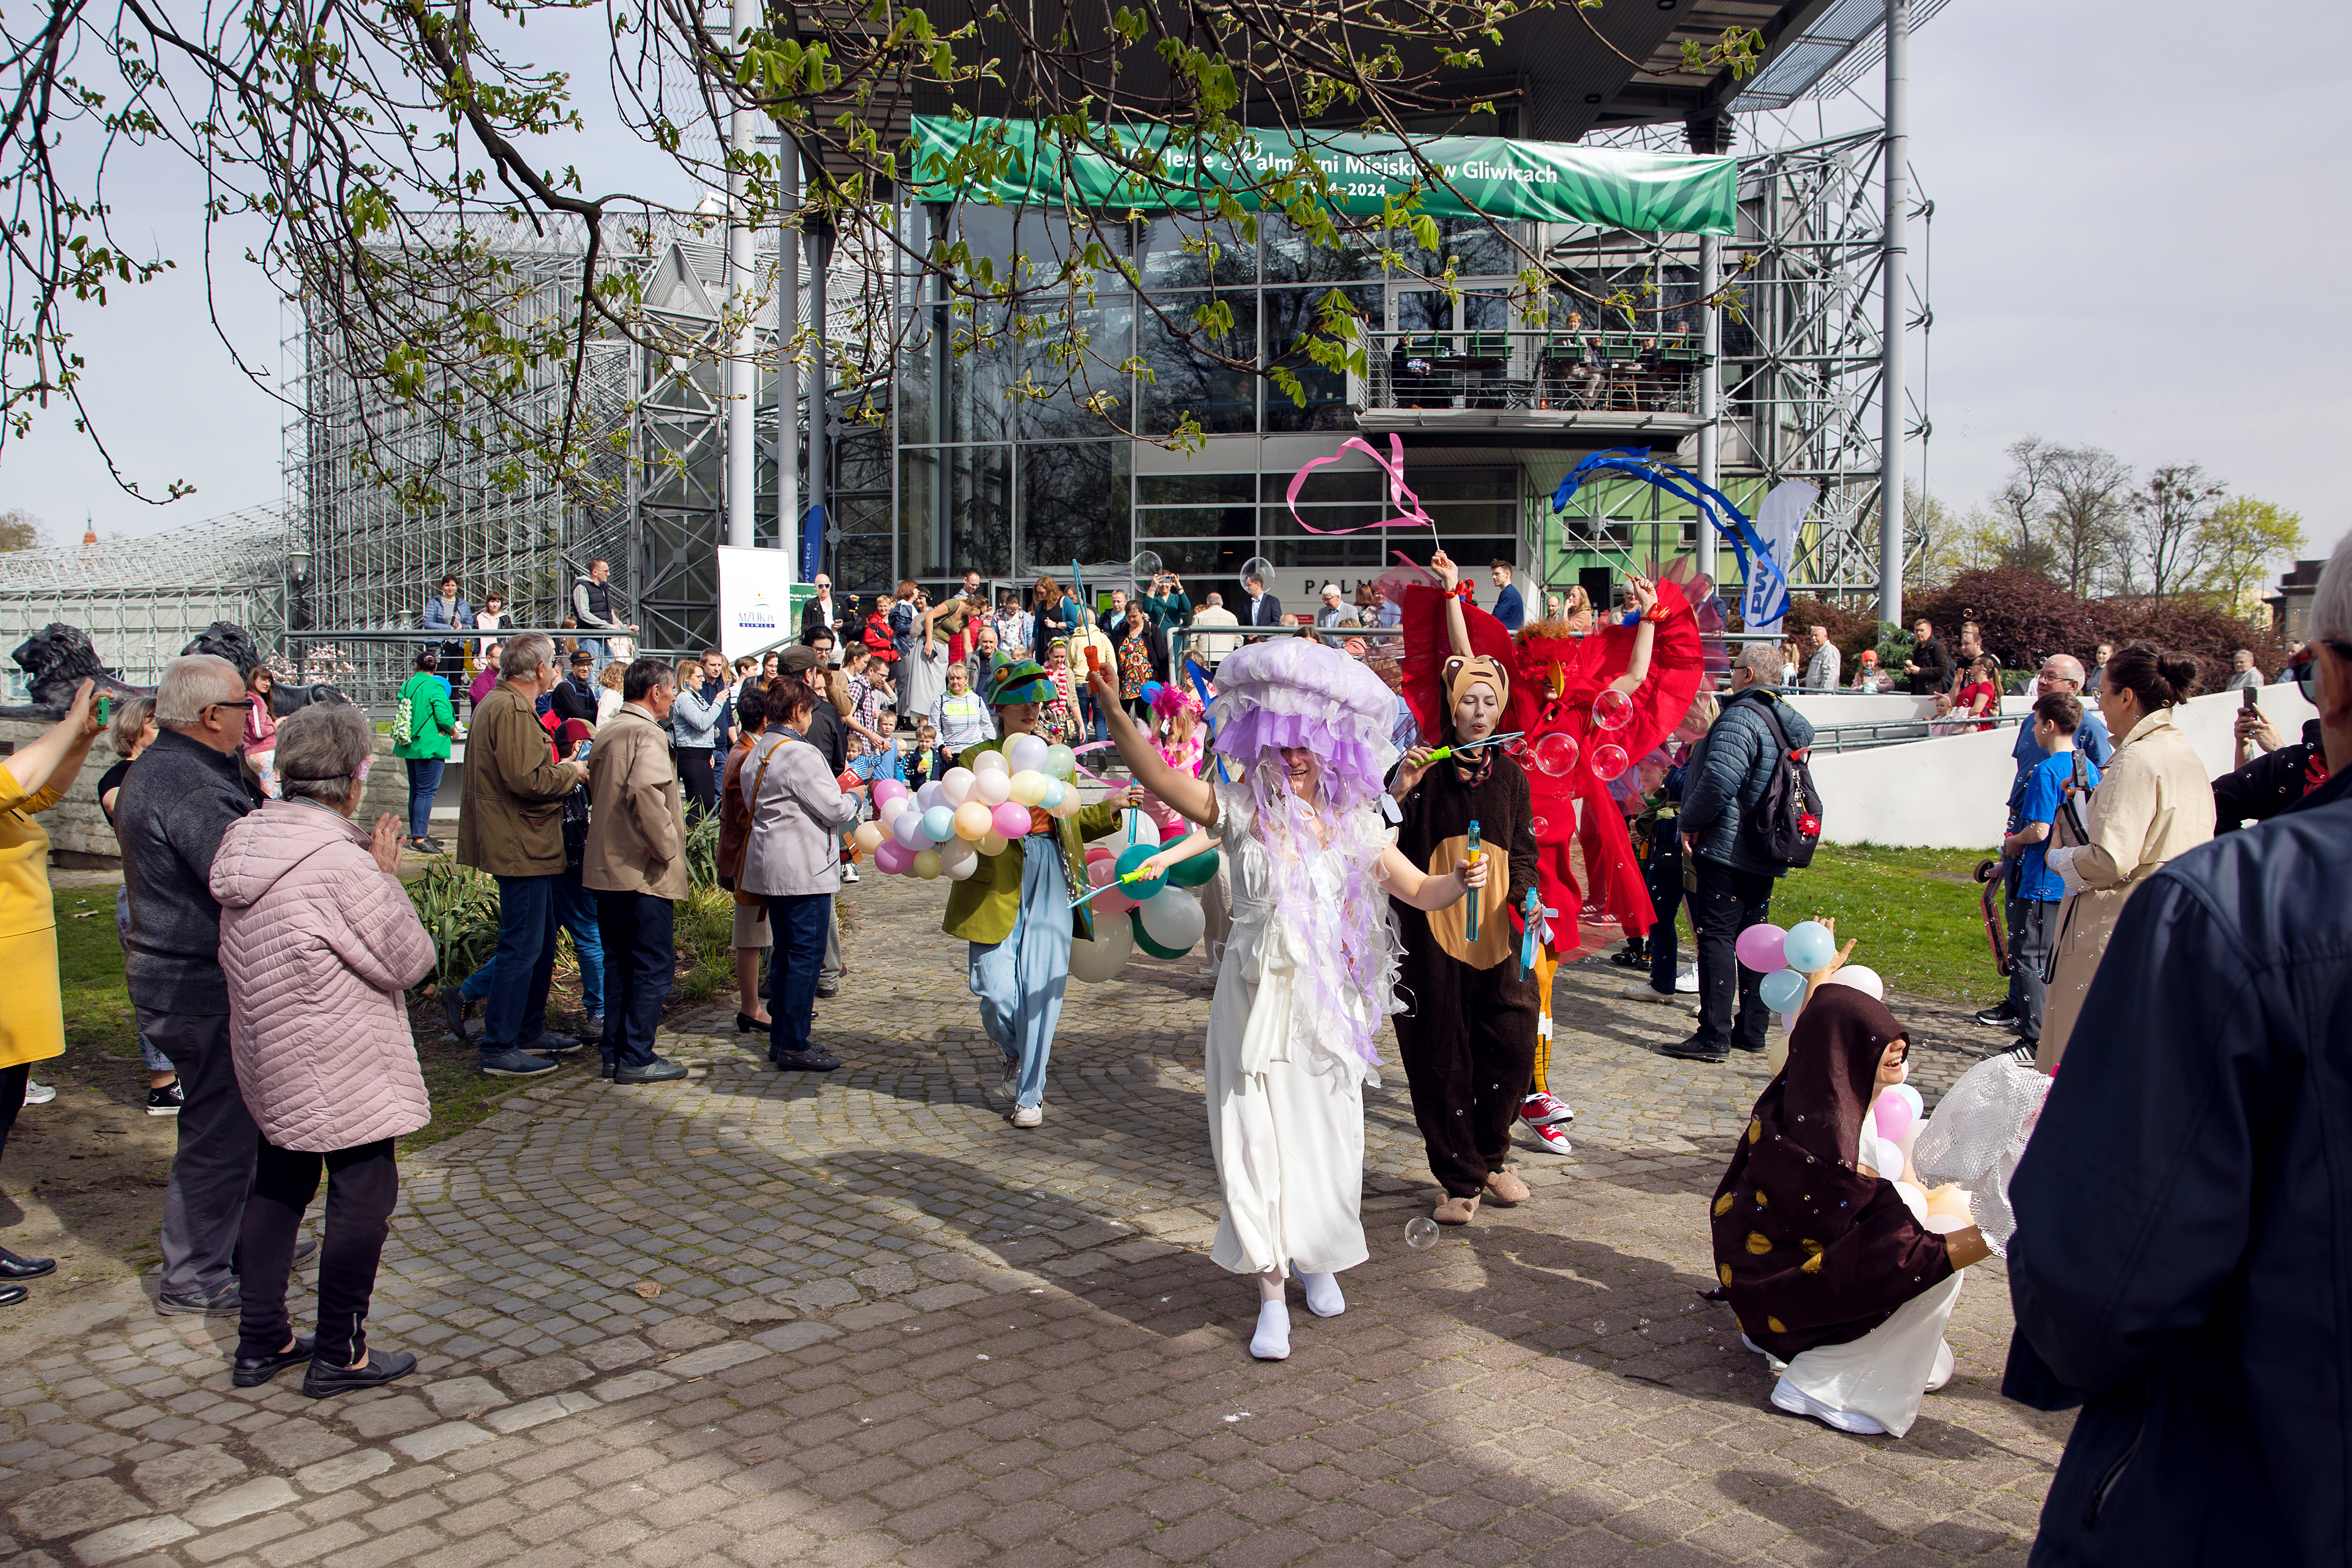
[[2135, 209]]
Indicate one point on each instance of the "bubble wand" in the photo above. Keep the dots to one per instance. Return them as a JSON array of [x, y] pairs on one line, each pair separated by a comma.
[[1443, 752], [1470, 921]]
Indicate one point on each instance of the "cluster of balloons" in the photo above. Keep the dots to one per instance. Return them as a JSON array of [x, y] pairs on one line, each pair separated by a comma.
[[945, 826], [1161, 917], [1786, 957], [1556, 753]]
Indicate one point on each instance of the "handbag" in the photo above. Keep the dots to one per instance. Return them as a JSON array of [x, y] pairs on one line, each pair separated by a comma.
[[743, 851]]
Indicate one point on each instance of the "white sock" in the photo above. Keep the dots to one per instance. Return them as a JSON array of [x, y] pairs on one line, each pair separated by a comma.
[[1271, 1340], [1323, 1298]]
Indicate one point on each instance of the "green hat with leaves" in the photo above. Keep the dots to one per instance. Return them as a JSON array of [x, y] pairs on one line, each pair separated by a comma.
[[1019, 680]]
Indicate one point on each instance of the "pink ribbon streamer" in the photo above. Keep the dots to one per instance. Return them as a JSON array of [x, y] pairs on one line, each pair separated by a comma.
[[1400, 496]]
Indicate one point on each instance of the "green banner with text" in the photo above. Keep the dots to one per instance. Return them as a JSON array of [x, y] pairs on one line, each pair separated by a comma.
[[1482, 176]]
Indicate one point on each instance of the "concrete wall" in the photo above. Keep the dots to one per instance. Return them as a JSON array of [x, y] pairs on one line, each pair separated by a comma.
[[1952, 793], [81, 835]]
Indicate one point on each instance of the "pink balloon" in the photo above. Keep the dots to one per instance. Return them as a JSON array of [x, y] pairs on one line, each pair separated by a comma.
[[887, 789], [1114, 903], [1758, 948], [1012, 821], [1893, 1114], [892, 857], [1100, 871]]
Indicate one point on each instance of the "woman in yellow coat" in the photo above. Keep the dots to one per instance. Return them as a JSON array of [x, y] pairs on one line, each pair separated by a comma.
[[32, 1017]]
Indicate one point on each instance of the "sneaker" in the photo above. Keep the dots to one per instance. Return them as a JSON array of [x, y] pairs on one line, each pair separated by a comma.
[[1543, 1108], [2001, 1015], [168, 1100], [1645, 992], [1694, 1050], [39, 1093], [658, 1070], [1686, 982], [435, 846], [814, 1059], [1551, 1139], [1028, 1115], [593, 1032], [849, 873], [1008, 1087], [1797, 1402], [453, 1013], [551, 1044], [511, 1063], [223, 1301]]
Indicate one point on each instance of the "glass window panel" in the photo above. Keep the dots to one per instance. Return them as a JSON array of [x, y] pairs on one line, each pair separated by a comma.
[[1291, 314], [1179, 489], [1331, 485], [1365, 550], [917, 380], [980, 361], [1464, 484], [1213, 566], [1074, 370], [1185, 381], [922, 549], [1073, 504], [1291, 256], [1197, 522], [1476, 249], [975, 534], [1168, 263], [1327, 518]]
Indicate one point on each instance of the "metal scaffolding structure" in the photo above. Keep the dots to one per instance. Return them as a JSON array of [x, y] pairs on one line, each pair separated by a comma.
[[141, 599], [1800, 383]]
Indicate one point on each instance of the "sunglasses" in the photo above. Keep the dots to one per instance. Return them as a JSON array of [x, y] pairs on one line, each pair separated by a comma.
[[2306, 671], [240, 702]]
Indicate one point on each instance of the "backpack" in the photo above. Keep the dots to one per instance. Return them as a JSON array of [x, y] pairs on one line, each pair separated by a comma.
[[1786, 824], [404, 721]]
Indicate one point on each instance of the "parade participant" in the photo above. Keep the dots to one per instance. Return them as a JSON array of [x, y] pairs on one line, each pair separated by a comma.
[[1834, 1276], [1313, 960], [1015, 909], [1468, 1039], [1558, 678], [1058, 722], [1181, 740]]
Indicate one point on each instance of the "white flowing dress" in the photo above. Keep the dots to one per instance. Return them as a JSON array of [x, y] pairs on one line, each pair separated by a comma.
[[922, 680], [1287, 1135], [1886, 1374]]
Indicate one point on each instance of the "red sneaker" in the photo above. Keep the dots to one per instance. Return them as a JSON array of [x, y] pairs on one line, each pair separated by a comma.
[[1550, 1139], [1543, 1108]]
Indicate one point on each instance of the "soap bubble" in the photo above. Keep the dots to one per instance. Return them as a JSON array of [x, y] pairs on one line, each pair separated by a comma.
[[1259, 567], [1612, 710], [1421, 1233], [1555, 754], [1609, 760]]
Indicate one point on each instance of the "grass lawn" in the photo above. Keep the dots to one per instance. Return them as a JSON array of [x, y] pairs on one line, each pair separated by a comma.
[[1915, 911], [102, 1040]]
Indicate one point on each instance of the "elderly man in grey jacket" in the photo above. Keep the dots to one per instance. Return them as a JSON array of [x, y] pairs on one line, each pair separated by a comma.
[[1725, 784], [173, 806]]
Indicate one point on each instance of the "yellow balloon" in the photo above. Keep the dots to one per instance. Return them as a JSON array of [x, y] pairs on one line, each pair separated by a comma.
[[926, 864], [991, 843], [1029, 786], [971, 821]]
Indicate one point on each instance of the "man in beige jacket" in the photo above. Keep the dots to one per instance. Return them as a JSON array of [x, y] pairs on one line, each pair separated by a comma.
[[635, 864], [510, 824]]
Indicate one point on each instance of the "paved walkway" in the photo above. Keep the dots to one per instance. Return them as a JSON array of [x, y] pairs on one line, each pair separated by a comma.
[[755, 1319]]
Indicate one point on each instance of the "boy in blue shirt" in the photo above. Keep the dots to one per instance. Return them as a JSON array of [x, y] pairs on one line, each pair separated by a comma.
[[2050, 788]]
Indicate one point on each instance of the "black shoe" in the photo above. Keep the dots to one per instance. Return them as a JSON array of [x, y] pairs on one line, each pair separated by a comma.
[[1755, 1049], [551, 1044], [594, 1030], [1696, 1050], [611, 1063], [304, 1251], [512, 1063], [747, 1025], [245, 1372], [453, 1013], [224, 1301], [323, 1380], [12, 1267], [2001, 1015], [12, 1294], [658, 1070], [168, 1100], [814, 1060]]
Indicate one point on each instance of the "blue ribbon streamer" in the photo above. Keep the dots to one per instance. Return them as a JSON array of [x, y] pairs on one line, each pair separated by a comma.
[[1711, 503]]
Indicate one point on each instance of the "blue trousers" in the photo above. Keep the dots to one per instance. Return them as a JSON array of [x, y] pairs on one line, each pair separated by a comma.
[[575, 911], [640, 940], [801, 922], [1019, 981], [423, 785], [523, 966]]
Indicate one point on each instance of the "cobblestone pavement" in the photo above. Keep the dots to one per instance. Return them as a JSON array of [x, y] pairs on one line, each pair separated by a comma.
[[754, 1318]]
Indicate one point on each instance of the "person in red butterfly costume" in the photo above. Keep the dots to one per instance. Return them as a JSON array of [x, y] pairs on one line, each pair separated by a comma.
[[1659, 663]]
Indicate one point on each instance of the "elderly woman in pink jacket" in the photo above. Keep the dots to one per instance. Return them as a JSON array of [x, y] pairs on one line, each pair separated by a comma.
[[319, 941]]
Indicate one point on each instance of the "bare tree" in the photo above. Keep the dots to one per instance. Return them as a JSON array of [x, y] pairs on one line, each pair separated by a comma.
[[19, 530], [2024, 497], [2088, 513], [2171, 532]]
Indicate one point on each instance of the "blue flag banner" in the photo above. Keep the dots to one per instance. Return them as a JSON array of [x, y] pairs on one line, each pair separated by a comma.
[[1754, 557], [813, 543]]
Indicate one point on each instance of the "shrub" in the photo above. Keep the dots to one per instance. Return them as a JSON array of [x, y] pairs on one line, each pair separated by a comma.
[[460, 909], [2024, 615], [1849, 633], [2209, 635]]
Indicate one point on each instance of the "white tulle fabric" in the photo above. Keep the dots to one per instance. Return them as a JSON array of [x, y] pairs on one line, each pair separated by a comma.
[[1978, 1134]]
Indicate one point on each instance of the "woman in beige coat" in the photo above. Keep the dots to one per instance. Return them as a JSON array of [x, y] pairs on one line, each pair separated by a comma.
[[2153, 803], [319, 941]]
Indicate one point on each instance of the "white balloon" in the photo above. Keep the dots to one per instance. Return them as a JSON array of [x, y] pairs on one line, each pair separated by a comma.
[[1863, 978], [990, 762], [955, 786], [889, 811], [1173, 919], [928, 795], [1107, 954], [1026, 753], [1141, 829], [992, 787], [958, 860]]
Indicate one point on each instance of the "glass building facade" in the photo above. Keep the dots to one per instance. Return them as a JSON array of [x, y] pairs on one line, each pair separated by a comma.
[[1010, 455]]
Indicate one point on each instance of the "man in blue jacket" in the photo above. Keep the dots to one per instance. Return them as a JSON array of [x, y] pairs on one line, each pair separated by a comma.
[[1724, 786], [2182, 1270]]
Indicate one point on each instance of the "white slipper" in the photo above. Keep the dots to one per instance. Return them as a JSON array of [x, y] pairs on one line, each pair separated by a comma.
[[1797, 1402], [1323, 1296], [1271, 1340]]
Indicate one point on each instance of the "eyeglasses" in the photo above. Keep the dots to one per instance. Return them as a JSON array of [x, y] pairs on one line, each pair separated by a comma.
[[240, 702], [2307, 673]]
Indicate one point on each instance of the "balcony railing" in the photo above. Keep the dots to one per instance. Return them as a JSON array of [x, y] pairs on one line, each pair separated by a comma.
[[1531, 380]]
